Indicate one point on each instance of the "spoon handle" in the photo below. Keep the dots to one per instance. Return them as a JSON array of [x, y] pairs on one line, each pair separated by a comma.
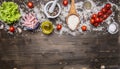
[[72, 8], [53, 6]]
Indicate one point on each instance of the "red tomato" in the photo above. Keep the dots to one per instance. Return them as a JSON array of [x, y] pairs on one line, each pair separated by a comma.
[[30, 4], [96, 24], [101, 20], [108, 6], [105, 17], [11, 29], [59, 26], [92, 21], [97, 20], [104, 10], [65, 2], [109, 12], [100, 14], [84, 28], [94, 16]]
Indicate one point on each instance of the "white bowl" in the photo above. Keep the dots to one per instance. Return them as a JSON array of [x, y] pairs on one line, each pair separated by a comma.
[[113, 28], [45, 10]]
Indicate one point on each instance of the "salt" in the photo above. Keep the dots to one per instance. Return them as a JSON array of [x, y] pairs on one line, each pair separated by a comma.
[[112, 28], [1, 26], [73, 21]]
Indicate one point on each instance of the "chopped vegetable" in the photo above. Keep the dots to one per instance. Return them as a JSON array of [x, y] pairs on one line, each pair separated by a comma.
[[9, 12]]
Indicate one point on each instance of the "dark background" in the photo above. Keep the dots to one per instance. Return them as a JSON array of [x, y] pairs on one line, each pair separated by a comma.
[[31, 50]]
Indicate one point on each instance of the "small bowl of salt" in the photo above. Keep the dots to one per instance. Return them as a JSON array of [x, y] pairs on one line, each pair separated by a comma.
[[113, 28]]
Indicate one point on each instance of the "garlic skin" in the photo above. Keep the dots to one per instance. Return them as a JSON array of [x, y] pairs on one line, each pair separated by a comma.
[[19, 30], [1, 26]]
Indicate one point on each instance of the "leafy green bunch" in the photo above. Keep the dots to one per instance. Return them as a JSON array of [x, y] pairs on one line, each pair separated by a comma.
[[9, 12]]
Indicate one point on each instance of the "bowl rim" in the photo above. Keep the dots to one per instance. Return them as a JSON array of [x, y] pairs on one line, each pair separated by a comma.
[[48, 14], [86, 8], [115, 30], [44, 31]]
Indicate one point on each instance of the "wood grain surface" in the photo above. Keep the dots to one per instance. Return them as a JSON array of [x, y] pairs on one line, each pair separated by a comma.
[[31, 50]]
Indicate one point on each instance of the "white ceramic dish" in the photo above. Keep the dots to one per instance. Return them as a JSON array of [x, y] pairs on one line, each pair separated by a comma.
[[113, 28], [46, 9], [87, 5]]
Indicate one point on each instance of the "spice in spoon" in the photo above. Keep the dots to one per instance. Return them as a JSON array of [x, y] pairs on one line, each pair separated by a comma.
[[73, 21]]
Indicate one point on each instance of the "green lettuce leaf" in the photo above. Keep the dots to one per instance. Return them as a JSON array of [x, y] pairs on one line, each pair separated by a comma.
[[9, 12]]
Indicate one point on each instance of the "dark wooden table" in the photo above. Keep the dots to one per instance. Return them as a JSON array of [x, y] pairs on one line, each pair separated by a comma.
[[37, 51]]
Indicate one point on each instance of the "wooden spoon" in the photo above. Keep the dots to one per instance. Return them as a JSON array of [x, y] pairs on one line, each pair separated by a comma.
[[73, 12]]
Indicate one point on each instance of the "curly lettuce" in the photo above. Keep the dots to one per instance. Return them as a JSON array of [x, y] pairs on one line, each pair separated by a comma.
[[9, 12]]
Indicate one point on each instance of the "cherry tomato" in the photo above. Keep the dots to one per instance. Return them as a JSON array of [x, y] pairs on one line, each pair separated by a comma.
[[97, 20], [100, 14], [84, 28], [65, 2], [11, 29], [30, 4], [104, 10], [108, 6], [92, 21], [94, 16], [109, 12], [96, 24], [101, 20], [105, 17], [59, 26]]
